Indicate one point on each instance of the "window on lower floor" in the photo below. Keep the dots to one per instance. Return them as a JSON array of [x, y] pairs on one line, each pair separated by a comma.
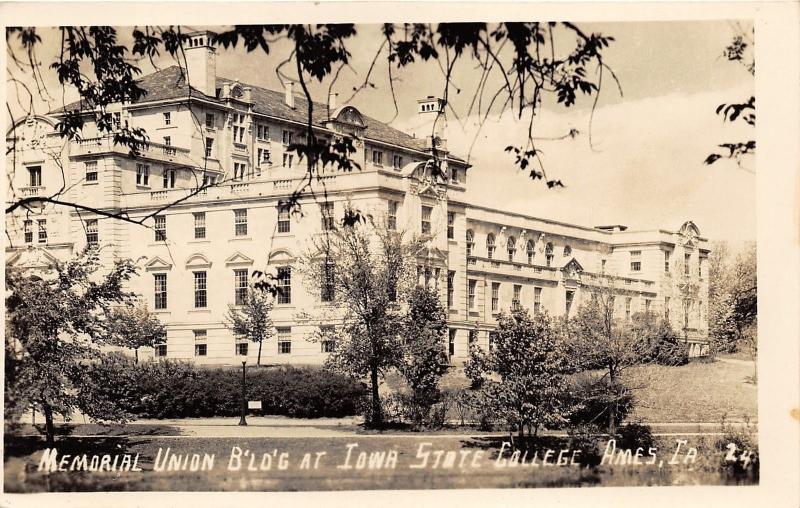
[[200, 342], [284, 220], [28, 230], [92, 235], [568, 301], [42, 224], [240, 278], [628, 309], [284, 284], [160, 228], [426, 220], [91, 171], [326, 212], [284, 340], [200, 290], [451, 343], [241, 348], [537, 300], [143, 175], [471, 293], [160, 298], [169, 178], [451, 220], [200, 349], [327, 291], [451, 276], [392, 219], [495, 296], [160, 350], [515, 302], [492, 341]]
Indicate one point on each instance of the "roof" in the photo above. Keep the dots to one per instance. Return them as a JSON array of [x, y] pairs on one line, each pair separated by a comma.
[[170, 83]]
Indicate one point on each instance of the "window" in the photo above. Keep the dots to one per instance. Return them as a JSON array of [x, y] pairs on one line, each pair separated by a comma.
[[515, 301], [470, 242], [240, 222], [495, 296], [167, 141], [209, 180], [471, 294], [169, 178], [143, 175], [636, 261], [628, 309], [91, 171], [210, 120], [490, 246], [209, 147], [377, 157], [537, 300], [28, 229], [451, 220], [35, 176], [511, 247], [238, 170], [241, 348], [160, 299], [451, 343], [262, 132], [647, 305], [326, 212], [392, 219], [240, 284], [602, 266], [700, 267], [530, 249], [284, 340], [199, 225], [263, 155], [238, 128], [117, 119], [200, 342], [42, 223], [287, 138], [568, 301], [686, 259], [451, 276], [327, 278], [160, 228], [397, 162], [472, 337], [666, 262], [328, 343], [492, 341], [167, 118], [200, 290], [284, 284], [287, 160], [666, 308], [91, 232], [426, 219], [454, 175], [548, 254], [284, 220], [160, 350]]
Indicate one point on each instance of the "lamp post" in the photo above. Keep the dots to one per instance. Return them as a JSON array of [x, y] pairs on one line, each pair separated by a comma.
[[242, 420]]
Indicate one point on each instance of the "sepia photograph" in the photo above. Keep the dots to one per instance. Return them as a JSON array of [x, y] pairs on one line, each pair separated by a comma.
[[381, 256]]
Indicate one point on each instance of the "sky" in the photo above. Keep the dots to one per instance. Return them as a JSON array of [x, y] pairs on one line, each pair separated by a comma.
[[644, 165]]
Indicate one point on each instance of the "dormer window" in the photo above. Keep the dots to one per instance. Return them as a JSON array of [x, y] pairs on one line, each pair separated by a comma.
[[287, 137], [262, 132], [377, 157], [210, 120], [397, 162]]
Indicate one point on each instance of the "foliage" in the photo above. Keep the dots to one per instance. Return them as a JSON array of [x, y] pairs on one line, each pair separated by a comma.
[[110, 389], [594, 397], [134, 326], [476, 365], [733, 300], [635, 435], [660, 342], [423, 359], [55, 324], [252, 319], [529, 369]]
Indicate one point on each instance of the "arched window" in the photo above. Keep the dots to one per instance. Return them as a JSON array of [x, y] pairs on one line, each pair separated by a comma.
[[548, 253], [567, 251], [470, 242], [490, 245], [511, 246], [531, 250]]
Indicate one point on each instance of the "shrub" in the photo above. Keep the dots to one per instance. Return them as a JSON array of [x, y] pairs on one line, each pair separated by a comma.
[[738, 452], [591, 397], [635, 435], [585, 439]]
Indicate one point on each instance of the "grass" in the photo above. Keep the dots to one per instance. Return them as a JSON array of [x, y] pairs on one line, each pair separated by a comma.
[[22, 456]]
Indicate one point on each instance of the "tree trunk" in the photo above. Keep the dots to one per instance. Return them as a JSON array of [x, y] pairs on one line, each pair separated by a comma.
[[258, 362], [49, 427], [377, 416], [136, 354]]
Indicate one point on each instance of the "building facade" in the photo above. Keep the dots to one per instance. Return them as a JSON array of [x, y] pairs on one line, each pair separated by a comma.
[[218, 157]]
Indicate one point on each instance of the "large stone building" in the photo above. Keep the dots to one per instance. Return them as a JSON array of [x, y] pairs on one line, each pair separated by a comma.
[[196, 255]]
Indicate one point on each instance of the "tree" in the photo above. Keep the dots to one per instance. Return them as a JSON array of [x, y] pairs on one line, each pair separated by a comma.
[[423, 359], [365, 272], [252, 319], [524, 380], [55, 324], [134, 326]]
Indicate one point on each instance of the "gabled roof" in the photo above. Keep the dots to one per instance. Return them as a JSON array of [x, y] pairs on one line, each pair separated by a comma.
[[170, 83], [571, 265]]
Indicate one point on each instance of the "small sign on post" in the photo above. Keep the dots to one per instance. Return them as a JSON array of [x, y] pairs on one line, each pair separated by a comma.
[[253, 404]]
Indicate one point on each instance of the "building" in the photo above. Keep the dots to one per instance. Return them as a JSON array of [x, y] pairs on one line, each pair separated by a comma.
[[196, 255]]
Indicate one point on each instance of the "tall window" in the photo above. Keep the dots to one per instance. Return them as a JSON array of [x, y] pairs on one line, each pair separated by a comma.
[[602, 266], [238, 128], [537, 300], [160, 228], [240, 285], [287, 138], [628, 309], [240, 222], [700, 267], [143, 175], [636, 261], [492, 340], [91, 171], [570, 297], [284, 220], [200, 342], [495, 296], [35, 176], [426, 219], [472, 337], [530, 249], [666, 261], [262, 132], [647, 305], [451, 220], [91, 232], [200, 290], [470, 242], [666, 308], [548, 254], [238, 170], [490, 246], [511, 247], [327, 279], [451, 276], [167, 118], [28, 229], [471, 294], [377, 157], [263, 155], [199, 225], [210, 120], [454, 175], [451, 343], [392, 219], [515, 302], [686, 259], [326, 212], [42, 223], [284, 340], [209, 147], [169, 178], [160, 296], [328, 344], [287, 160], [284, 284]]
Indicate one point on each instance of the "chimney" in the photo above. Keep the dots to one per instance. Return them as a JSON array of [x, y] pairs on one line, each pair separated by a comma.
[[289, 92], [201, 62], [332, 101]]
